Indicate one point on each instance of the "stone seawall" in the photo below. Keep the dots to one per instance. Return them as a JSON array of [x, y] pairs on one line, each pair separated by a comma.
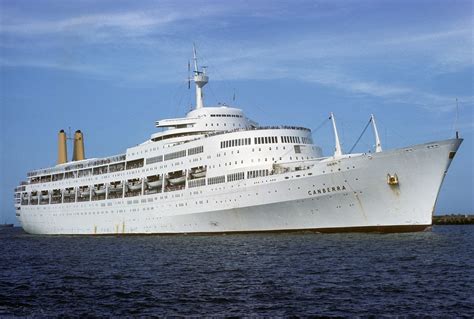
[[453, 219]]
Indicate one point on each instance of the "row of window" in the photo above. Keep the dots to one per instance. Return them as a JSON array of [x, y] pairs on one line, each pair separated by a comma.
[[290, 139], [196, 150], [257, 173], [226, 115], [266, 140], [236, 142], [175, 155], [235, 176], [154, 159], [197, 182], [216, 180]]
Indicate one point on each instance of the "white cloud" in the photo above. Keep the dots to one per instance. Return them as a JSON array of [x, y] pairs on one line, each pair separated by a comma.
[[69, 67], [326, 58]]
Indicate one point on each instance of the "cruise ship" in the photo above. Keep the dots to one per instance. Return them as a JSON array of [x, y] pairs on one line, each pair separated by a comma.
[[217, 171]]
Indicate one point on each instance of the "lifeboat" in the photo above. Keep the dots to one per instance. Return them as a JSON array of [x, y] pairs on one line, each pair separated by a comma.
[[115, 188], [177, 180], [100, 191], [154, 184], [198, 173], [134, 186], [85, 192]]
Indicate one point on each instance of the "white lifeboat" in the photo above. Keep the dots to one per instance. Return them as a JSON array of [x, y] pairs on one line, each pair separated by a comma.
[[115, 188], [134, 186], [200, 172], [100, 191], [177, 180], [155, 184]]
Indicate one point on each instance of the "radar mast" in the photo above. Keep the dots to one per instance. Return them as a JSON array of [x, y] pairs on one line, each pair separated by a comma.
[[200, 79]]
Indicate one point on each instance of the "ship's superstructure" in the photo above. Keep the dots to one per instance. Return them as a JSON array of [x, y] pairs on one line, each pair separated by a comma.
[[215, 170]]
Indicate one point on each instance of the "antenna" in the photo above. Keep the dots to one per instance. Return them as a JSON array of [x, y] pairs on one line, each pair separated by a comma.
[[189, 75], [195, 60], [456, 120], [337, 149], [378, 145]]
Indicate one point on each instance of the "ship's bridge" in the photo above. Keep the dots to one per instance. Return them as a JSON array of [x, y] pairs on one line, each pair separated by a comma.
[[203, 121]]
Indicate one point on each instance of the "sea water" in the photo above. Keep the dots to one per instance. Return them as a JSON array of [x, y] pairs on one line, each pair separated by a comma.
[[412, 274]]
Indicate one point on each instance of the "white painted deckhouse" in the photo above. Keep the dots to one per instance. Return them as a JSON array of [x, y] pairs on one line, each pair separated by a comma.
[[215, 171]]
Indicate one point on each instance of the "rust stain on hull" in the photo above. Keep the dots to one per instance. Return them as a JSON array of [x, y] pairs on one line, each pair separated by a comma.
[[362, 210]]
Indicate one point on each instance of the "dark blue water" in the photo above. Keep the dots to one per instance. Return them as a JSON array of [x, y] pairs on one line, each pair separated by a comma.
[[417, 274]]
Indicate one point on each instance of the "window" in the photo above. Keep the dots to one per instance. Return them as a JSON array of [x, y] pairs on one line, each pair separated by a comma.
[[175, 155], [155, 159], [197, 182], [235, 177], [196, 150], [257, 173], [236, 142], [216, 180]]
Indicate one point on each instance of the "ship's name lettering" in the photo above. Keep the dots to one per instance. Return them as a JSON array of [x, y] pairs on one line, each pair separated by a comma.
[[325, 190]]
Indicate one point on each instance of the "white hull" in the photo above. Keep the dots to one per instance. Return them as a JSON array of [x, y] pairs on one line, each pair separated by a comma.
[[349, 194]]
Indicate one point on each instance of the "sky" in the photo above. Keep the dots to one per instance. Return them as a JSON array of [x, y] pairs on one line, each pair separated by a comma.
[[112, 68]]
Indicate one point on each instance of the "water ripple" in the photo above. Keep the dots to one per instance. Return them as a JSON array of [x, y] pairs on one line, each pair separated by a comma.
[[301, 274]]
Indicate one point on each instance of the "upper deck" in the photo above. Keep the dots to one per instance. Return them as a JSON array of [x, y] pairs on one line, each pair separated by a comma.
[[200, 125]]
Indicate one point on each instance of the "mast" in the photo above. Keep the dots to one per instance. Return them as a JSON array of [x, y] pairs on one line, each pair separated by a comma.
[[337, 149], [200, 79], [378, 145]]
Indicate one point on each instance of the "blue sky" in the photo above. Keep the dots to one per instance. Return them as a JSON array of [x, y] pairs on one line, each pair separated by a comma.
[[111, 68]]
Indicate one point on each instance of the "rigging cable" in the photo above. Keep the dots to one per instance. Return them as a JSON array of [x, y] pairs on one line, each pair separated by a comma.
[[320, 125], [365, 129]]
